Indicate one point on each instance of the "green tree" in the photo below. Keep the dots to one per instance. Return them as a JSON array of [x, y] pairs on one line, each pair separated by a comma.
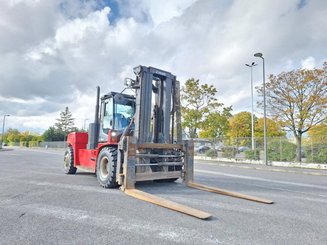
[[13, 135], [216, 124], [53, 134], [298, 100], [197, 102], [66, 121], [315, 146], [281, 150], [25, 136], [63, 126]]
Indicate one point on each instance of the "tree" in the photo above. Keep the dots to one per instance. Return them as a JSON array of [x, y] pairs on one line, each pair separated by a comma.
[[53, 134], [240, 125], [12, 135], [25, 136], [316, 144], [197, 102], [216, 124], [298, 100], [274, 128], [63, 126], [281, 150], [318, 133], [66, 121]]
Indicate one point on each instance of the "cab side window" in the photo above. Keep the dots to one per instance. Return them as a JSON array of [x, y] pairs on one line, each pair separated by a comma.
[[107, 116]]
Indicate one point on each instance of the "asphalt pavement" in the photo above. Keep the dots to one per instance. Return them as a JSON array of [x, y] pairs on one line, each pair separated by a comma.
[[41, 205]]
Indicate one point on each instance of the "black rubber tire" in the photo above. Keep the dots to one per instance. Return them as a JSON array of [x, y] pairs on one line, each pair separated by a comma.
[[69, 167], [106, 167]]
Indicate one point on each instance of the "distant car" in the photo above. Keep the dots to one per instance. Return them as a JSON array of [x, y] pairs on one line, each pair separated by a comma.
[[243, 148], [202, 149]]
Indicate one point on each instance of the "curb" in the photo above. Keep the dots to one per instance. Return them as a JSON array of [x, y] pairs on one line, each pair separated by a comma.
[[319, 166], [247, 165]]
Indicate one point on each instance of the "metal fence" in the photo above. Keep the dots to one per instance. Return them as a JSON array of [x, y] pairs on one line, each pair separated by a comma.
[[31, 144], [280, 149]]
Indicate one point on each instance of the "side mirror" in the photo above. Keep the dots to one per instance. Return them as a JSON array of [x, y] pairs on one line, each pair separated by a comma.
[[129, 82]]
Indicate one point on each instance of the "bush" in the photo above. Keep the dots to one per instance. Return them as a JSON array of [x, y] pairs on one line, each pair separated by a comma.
[[281, 150], [317, 153], [33, 144], [23, 144], [252, 155], [211, 153], [229, 151]]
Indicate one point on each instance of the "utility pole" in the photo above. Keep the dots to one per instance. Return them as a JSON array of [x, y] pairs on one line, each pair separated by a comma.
[[260, 55], [3, 129], [252, 116]]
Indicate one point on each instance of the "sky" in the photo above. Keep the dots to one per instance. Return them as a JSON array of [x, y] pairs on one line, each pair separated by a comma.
[[53, 53]]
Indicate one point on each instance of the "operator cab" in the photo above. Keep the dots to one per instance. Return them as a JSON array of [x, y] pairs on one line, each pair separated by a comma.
[[117, 111]]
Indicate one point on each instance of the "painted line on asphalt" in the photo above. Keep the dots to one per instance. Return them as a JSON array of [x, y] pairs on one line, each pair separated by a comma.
[[253, 166], [97, 189], [146, 228], [306, 198], [45, 151], [262, 179]]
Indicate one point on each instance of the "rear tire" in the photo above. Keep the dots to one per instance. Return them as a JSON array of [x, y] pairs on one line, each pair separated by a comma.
[[106, 167], [69, 167]]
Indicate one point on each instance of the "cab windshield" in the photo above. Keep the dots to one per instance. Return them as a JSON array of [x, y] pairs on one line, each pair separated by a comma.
[[117, 116]]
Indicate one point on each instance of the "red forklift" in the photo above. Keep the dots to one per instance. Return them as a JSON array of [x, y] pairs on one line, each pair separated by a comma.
[[139, 138]]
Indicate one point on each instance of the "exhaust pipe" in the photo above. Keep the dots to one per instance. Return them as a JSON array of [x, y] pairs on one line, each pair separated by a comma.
[[96, 118], [95, 126]]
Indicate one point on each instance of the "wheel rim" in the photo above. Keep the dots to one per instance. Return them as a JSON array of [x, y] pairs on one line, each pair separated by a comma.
[[104, 168]]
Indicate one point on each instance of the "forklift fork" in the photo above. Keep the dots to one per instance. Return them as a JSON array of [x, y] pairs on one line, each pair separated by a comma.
[[189, 176], [129, 177]]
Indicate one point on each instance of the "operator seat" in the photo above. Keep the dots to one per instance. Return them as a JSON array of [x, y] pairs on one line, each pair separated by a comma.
[[120, 121]]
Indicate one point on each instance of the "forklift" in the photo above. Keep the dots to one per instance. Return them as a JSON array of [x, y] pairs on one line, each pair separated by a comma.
[[137, 138]]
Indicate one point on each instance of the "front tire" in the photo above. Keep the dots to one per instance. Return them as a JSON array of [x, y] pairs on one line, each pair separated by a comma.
[[69, 167], [106, 167]]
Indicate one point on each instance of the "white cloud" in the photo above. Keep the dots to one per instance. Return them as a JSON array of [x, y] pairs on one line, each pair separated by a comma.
[[12, 3], [166, 10], [308, 63], [55, 52]]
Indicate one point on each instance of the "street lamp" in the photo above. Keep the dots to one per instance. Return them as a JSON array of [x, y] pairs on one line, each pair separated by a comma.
[[260, 55], [3, 129], [252, 117]]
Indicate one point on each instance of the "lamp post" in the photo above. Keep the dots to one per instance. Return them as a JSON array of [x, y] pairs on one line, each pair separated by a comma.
[[3, 129], [260, 55], [252, 117]]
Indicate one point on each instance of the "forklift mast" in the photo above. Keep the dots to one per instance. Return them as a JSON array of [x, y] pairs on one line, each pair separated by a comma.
[[156, 102], [154, 151]]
